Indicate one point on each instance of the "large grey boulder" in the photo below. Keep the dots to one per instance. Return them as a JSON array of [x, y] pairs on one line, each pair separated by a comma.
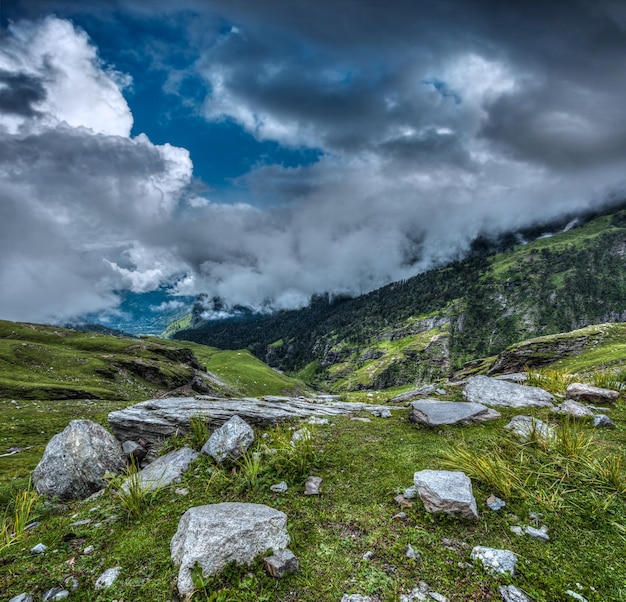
[[158, 419], [230, 441], [445, 491], [217, 534], [493, 392], [582, 392], [164, 471], [434, 413], [526, 427], [75, 461]]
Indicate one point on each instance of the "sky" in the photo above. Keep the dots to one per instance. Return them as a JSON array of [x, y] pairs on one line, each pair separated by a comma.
[[264, 152]]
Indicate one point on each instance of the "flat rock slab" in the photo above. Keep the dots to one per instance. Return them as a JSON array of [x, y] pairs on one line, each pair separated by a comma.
[[446, 491], [216, 534], [493, 392], [165, 470], [158, 419], [433, 412], [581, 392]]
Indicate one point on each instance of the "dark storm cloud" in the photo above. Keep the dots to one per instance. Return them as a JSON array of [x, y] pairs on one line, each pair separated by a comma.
[[434, 121], [19, 92]]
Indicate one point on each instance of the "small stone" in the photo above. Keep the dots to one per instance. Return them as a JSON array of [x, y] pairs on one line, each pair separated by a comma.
[[312, 486], [410, 492], [510, 593], [494, 560], [517, 530], [316, 420], [417, 593], [108, 578], [300, 435], [360, 419], [279, 487], [56, 593], [576, 596], [26, 597], [88, 550], [537, 533], [446, 491], [411, 553], [399, 516], [181, 491], [71, 583], [355, 598], [81, 523], [572, 408], [281, 563], [39, 548], [495, 503], [368, 555], [438, 597], [381, 413], [602, 421], [32, 526], [402, 501]]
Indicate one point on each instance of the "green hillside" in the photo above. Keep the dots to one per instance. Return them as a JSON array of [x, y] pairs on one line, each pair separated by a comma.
[[471, 309]]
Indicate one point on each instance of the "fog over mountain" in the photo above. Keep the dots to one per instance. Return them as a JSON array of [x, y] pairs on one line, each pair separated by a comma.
[[418, 126]]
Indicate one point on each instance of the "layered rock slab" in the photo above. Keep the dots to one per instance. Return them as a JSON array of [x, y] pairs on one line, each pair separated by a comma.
[[493, 392], [216, 534], [433, 412], [446, 491], [75, 461], [157, 419]]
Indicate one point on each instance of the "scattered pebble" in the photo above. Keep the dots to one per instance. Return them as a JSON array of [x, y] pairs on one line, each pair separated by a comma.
[[402, 501], [410, 492], [56, 593], [312, 486], [537, 533], [26, 597], [108, 578], [411, 553], [81, 523], [88, 550], [181, 491], [279, 487], [495, 503], [71, 583], [576, 596], [494, 560], [32, 526], [399, 516], [316, 420], [39, 548], [510, 593], [517, 530], [368, 555]]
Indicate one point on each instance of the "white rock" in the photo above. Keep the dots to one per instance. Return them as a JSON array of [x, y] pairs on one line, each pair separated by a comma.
[[279, 487], [524, 427], [572, 408], [510, 593], [537, 533], [445, 491], [40, 548], [164, 471], [494, 560], [576, 596], [355, 598], [75, 461], [312, 485], [26, 597], [517, 530], [230, 441], [410, 492], [494, 392], [108, 578], [217, 534]]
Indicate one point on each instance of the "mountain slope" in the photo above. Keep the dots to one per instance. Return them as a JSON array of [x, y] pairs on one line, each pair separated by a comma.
[[49, 362], [469, 309]]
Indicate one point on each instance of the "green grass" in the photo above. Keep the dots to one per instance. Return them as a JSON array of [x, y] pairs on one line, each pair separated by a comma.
[[363, 466]]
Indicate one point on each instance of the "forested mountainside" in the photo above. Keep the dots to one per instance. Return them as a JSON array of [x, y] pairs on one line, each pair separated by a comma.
[[424, 327]]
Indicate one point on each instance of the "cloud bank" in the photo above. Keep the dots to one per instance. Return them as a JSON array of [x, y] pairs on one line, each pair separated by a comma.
[[434, 124]]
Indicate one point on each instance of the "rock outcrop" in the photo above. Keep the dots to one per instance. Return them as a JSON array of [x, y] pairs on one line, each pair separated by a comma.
[[494, 392], [217, 534], [434, 413], [157, 419], [75, 461]]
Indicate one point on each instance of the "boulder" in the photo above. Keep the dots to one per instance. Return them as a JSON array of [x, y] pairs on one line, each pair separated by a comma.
[[445, 491], [158, 419], [164, 471], [572, 408], [214, 535], [434, 413], [494, 560], [524, 427], [581, 392], [75, 461], [230, 441], [601, 420], [493, 392]]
